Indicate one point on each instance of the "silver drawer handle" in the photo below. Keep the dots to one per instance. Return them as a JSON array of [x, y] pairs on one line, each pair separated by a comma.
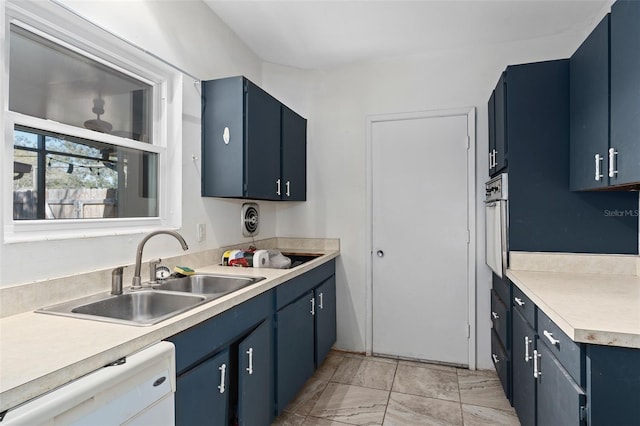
[[612, 162], [598, 175], [495, 358], [223, 374], [495, 315], [527, 341], [550, 337], [518, 301], [250, 367], [536, 364], [313, 306]]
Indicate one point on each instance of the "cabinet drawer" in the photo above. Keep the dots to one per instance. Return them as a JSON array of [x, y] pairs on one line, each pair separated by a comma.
[[502, 286], [500, 362], [524, 305], [499, 318], [569, 353], [289, 291]]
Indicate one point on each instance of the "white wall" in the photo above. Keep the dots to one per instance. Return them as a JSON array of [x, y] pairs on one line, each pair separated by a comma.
[[339, 102], [189, 35]]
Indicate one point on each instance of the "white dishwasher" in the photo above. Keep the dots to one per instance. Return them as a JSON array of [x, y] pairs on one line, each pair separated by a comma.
[[137, 390]]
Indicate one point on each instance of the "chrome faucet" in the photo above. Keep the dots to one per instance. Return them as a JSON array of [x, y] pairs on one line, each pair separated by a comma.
[[136, 281]]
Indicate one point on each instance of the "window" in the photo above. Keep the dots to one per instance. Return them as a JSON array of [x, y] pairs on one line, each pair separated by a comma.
[[87, 124]]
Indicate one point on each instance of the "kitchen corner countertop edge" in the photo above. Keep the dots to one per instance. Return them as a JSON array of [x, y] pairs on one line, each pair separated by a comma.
[[598, 309], [35, 355]]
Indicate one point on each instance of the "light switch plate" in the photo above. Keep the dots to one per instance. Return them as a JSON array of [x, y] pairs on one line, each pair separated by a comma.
[[202, 232]]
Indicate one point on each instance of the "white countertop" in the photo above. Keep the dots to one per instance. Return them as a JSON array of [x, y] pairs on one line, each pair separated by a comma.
[[595, 307], [40, 352]]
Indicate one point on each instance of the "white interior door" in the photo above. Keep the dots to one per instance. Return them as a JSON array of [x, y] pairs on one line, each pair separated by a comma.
[[420, 237]]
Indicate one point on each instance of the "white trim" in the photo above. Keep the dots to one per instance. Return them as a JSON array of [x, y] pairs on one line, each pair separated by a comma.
[[470, 113]]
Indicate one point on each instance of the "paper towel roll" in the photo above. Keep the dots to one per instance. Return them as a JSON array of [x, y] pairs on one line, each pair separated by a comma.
[[261, 259]]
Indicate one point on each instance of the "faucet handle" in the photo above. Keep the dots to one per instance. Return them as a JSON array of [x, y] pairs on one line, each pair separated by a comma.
[[153, 265], [116, 280]]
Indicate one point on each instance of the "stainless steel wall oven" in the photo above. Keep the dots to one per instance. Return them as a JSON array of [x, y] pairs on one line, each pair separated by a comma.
[[497, 224]]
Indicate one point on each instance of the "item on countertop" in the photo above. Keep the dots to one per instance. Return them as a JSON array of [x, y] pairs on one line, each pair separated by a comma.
[[277, 260], [225, 258], [183, 270], [261, 259]]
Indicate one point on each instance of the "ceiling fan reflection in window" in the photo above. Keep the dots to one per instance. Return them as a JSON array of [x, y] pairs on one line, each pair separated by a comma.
[[98, 124]]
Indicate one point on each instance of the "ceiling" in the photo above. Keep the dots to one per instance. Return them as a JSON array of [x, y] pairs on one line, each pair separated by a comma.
[[312, 34]]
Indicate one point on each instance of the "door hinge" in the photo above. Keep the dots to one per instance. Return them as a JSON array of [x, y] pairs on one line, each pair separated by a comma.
[[468, 236], [468, 142]]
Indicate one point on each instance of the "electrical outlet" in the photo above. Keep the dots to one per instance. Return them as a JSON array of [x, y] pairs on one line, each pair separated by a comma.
[[202, 232]]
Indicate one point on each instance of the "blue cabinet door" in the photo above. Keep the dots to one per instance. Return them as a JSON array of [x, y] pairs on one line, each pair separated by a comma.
[[325, 296], [294, 156], [202, 393], [523, 383], [560, 400], [625, 92], [589, 110], [500, 159], [255, 377], [294, 348], [262, 149]]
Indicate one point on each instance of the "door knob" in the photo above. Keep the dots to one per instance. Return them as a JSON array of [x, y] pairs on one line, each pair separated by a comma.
[[380, 253]]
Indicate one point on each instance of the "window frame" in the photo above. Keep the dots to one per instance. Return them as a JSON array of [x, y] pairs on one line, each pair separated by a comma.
[[99, 45]]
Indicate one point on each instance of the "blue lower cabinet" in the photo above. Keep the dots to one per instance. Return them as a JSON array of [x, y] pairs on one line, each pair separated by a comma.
[[202, 393], [295, 346], [559, 398], [255, 377], [523, 383], [325, 296]]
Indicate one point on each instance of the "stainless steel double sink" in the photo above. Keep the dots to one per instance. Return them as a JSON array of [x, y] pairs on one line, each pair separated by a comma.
[[151, 305]]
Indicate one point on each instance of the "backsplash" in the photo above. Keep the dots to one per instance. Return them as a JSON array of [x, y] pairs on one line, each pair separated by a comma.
[[29, 296], [610, 264]]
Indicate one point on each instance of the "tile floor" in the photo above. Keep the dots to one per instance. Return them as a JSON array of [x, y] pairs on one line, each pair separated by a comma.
[[353, 389]]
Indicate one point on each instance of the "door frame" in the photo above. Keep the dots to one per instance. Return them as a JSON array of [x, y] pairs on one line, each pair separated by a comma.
[[470, 114]]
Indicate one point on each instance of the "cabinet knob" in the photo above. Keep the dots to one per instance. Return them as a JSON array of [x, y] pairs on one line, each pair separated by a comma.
[[226, 137], [380, 253]]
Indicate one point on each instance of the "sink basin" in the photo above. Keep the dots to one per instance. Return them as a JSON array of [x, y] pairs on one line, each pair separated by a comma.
[[144, 307], [212, 286]]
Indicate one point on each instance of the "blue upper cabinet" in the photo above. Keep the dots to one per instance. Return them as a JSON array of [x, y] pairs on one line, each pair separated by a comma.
[[498, 142], [605, 103], [294, 156], [625, 94], [589, 110], [253, 147]]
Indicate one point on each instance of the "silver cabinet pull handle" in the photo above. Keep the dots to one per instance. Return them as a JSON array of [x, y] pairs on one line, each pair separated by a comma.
[[288, 185], [250, 367], [527, 341], [313, 305], [612, 162], [598, 175], [550, 337], [495, 358], [536, 364], [495, 315], [223, 374], [519, 301], [278, 187], [321, 305]]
